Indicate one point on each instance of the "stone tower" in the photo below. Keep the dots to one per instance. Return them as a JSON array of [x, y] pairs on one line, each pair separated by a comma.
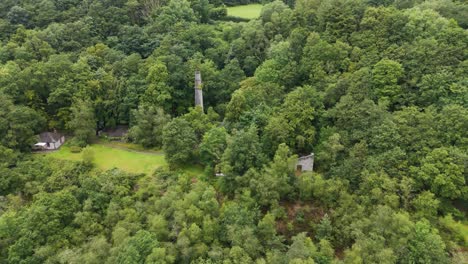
[[198, 90]]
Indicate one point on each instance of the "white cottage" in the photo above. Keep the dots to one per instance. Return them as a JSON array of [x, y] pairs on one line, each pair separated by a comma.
[[49, 141]]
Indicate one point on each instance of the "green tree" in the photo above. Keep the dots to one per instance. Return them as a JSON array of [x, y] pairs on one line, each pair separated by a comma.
[[425, 245], [267, 232], [176, 12], [277, 179], [88, 156], [426, 205], [418, 132], [158, 93], [47, 217], [324, 228], [137, 248], [199, 121], [443, 170], [213, 145], [18, 125], [149, 124], [294, 125], [380, 237], [328, 151], [83, 122], [385, 77], [302, 248], [18, 15], [452, 121], [179, 142], [243, 152]]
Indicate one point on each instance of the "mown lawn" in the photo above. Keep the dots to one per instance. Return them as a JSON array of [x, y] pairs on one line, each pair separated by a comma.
[[108, 157], [125, 156], [245, 11]]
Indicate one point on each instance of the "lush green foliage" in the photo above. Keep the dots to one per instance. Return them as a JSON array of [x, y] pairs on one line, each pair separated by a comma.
[[376, 89], [82, 122], [149, 126]]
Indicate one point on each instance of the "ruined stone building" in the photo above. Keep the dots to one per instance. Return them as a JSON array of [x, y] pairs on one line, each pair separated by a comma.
[[305, 163]]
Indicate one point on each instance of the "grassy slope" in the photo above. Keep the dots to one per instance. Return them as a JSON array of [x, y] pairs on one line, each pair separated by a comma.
[[107, 157], [245, 11]]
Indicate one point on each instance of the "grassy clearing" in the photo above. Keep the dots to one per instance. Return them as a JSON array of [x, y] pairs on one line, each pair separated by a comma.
[[125, 156], [245, 11], [108, 157]]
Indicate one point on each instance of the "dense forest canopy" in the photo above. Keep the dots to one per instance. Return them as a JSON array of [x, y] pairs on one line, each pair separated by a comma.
[[376, 89]]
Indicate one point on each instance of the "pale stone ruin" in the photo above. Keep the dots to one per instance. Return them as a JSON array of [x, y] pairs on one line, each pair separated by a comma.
[[198, 90], [305, 163]]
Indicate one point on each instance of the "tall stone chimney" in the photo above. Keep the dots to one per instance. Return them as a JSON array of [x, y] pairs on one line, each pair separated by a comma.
[[198, 90]]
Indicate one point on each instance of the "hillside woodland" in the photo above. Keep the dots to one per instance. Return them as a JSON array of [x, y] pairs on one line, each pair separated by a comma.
[[376, 89]]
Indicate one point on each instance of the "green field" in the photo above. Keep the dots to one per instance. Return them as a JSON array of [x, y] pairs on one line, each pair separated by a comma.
[[245, 11], [108, 156]]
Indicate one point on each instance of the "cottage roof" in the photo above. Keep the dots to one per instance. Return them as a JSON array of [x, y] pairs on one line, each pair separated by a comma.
[[49, 137]]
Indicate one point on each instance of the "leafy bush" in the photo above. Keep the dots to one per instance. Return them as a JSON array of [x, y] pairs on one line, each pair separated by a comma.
[[88, 155], [75, 149]]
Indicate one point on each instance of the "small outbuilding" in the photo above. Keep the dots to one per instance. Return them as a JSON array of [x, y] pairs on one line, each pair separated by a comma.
[[49, 141], [116, 133], [305, 163]]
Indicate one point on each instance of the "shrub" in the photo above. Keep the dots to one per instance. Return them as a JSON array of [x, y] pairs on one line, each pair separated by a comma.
[[75, 149], [88, 155]]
